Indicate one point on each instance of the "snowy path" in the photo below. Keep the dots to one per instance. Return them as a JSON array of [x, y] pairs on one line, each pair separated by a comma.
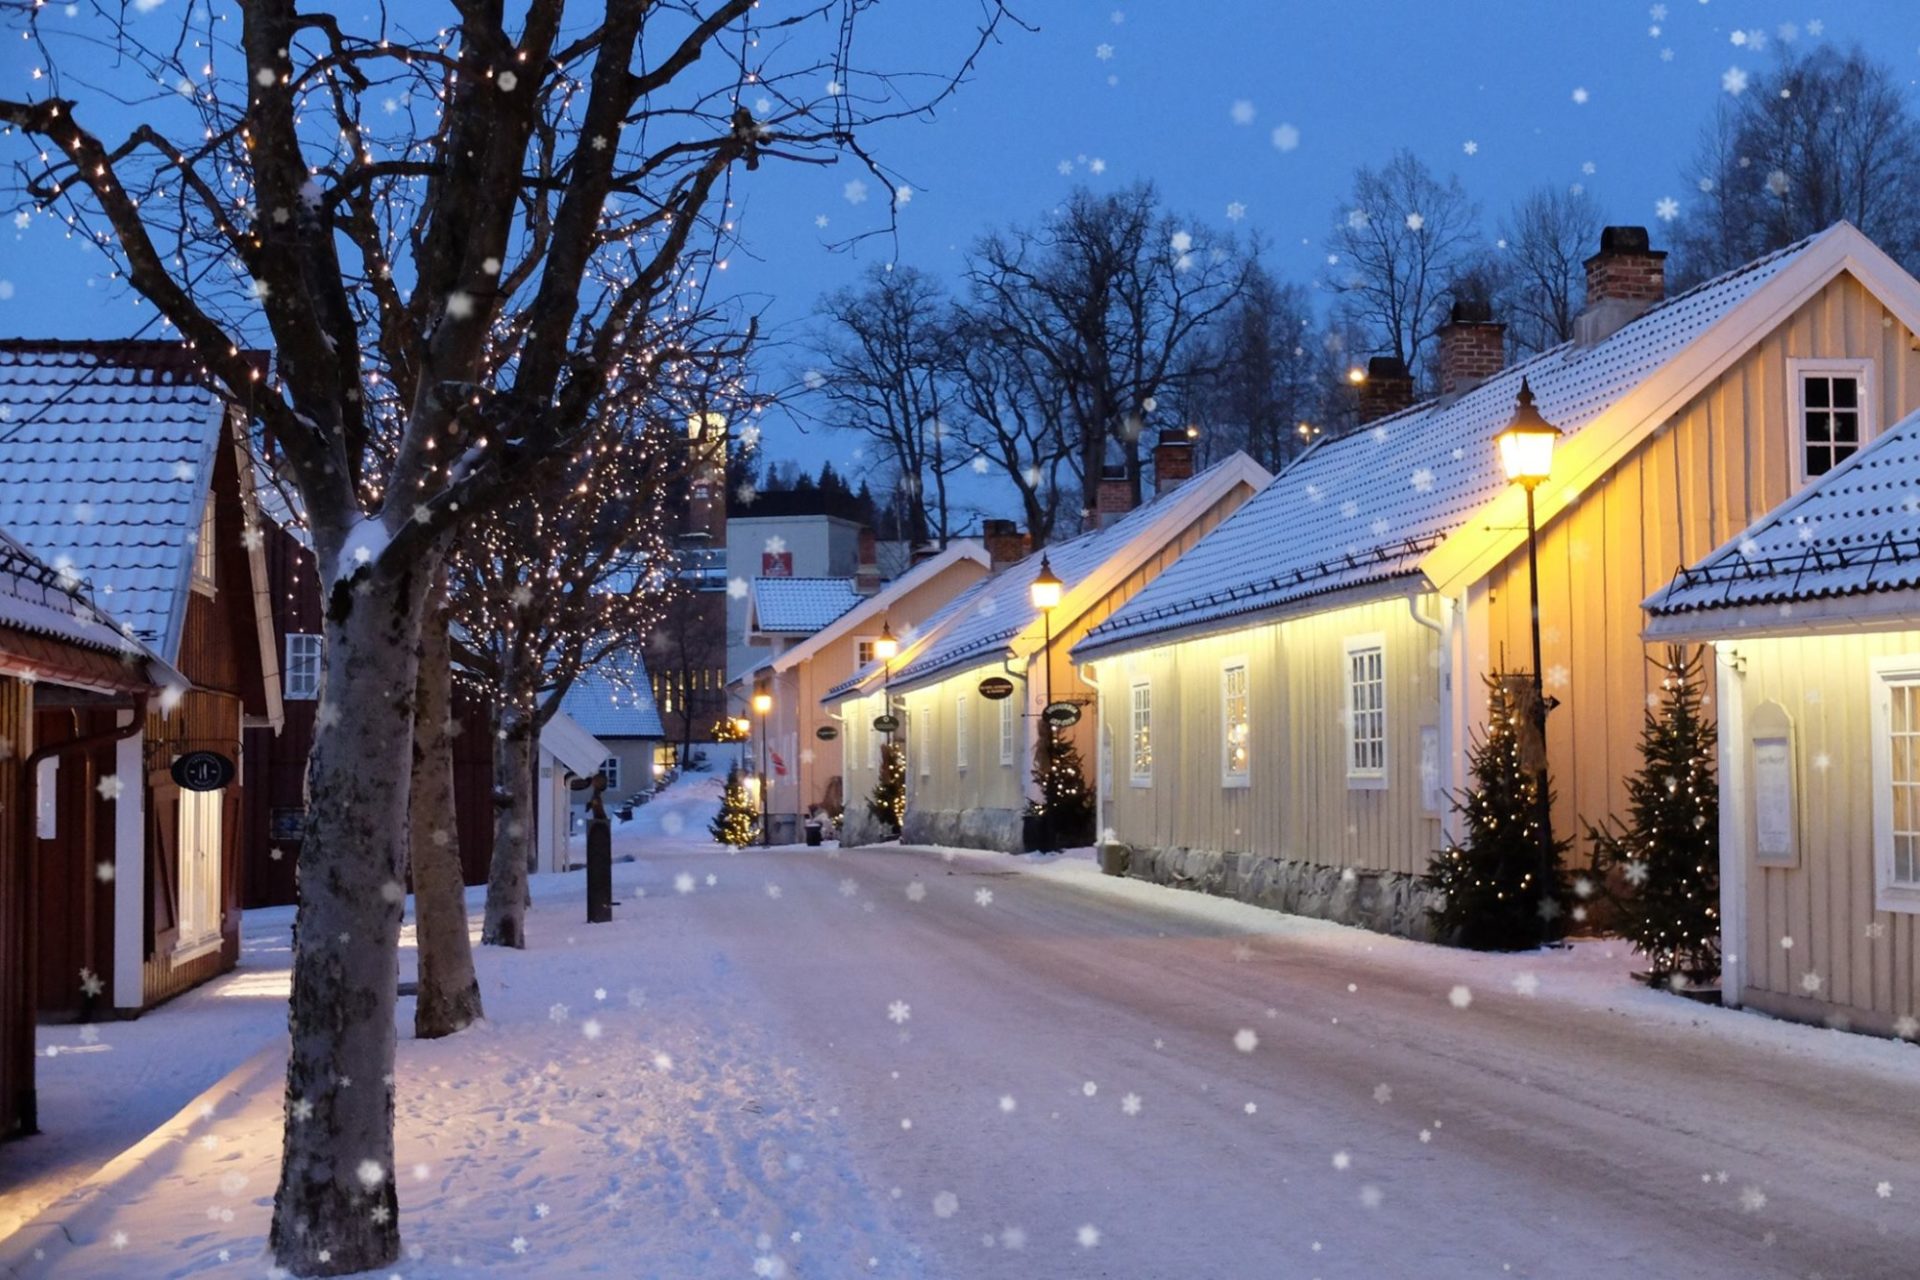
[[826, 1064]]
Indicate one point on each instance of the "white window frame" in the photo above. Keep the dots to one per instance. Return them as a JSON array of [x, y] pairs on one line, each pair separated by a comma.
[[1009, 739], [1798, 371], [301, 657], [1887, 673], [962, 731], [1367, 777], [859, 643], [204, 551], [1229, 776], [1139, 720], [199, 840]]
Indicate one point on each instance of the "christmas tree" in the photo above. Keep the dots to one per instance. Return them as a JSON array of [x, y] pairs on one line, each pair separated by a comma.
[[1668, 850], [738, 822], [1065, 805], [888, 800], [1490, 884]]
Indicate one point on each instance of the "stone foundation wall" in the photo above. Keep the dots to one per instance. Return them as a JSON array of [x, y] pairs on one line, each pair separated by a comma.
[[966, 828], [858, 827], [1384, 901]]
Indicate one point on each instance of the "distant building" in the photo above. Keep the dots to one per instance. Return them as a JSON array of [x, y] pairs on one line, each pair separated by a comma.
[[614, 703]]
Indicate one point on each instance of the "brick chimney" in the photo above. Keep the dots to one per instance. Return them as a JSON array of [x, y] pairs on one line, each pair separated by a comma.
[[1173, 459], [1473, 346], [1005, 543], [921, 552], [1114, 498], [1626, 277], [866, 572], [1387, 390]]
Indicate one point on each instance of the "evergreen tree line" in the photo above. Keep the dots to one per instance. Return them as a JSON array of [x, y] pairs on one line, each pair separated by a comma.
[[1064, 345]]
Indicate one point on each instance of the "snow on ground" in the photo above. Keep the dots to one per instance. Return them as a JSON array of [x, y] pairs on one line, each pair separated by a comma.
[[892, 1062]]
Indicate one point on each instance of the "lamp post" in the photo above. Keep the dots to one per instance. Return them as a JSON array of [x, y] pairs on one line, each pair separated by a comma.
[[763, 703], [1526, 454], [886, 648], [1044, 591]]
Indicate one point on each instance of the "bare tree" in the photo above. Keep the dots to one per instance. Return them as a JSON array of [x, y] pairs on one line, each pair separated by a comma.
[[884, 354], [1821, 136], [1110, 296], [450, 287], [1016, 417], [1264, 384], [1399, 243], [1548, 235]]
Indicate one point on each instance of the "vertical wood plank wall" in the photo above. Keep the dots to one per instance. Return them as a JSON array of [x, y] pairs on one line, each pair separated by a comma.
[[1814, 939], [1716, 466], [1297, 803], [16, 1020]]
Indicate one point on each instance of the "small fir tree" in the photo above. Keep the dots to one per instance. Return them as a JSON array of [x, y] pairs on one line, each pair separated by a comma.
[[887, 802], [1490, 884], [1667, 852], [738, 822], [1062, 782]]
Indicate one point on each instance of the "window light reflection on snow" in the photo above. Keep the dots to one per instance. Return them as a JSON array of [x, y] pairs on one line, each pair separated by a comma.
[[277, 983]]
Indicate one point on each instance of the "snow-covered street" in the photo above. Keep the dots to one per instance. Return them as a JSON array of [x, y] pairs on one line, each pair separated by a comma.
[[914, 1063]]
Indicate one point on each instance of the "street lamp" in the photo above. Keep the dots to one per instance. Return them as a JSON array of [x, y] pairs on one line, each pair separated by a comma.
[[1526, 454], [763, 703], [1045, 591], [886, 648]]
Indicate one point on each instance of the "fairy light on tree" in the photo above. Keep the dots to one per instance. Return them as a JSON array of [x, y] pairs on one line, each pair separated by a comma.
[[450, 287]]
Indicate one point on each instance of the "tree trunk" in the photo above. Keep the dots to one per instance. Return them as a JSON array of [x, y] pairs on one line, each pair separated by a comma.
[[335, 1210], [449, 998], [513, 821]]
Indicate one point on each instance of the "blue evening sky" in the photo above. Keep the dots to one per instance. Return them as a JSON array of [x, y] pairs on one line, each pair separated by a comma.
[[1508, 94]]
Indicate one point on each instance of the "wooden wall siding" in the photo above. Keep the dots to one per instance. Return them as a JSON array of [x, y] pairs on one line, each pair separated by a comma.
[[1867, 961], [16, 1009], [988, 784], [73, 909], [1298, 803], [1718, 464], [204, 720]]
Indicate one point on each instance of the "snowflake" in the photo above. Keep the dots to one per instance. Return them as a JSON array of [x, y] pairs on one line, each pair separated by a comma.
[[557, 1013], [945, 1204], [1752, 1199], [1884, 1190], [1131, 1104], [1810, 982], [300, 1109], [1007, 1103], [590, 1028], [899, 1011], [983, 896], [370, 1173], [1666, 209], [1460, 997], [1245, 1040], [1734, 81], [773, 891], [1235, 211], [103, 872], [854, 192], [507, 81], [1342, 1161], [916, 891], [518, 1244], [459, 305], [662, 1062], [110, 787], [1088, 1236], [1471, 147], [1104, 52], [1637, 872], [849, 887], [1580, 97], [90, 983], [1383, 1093], [1286, 137], [1422, 480], [1906, 1026], [1526, 984], [1242, 113]]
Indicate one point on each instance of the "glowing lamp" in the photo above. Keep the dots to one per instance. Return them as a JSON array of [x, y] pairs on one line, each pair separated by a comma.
[[886, 648], [1356, 375], [1526, 446], [1045, 588], [762, 703]]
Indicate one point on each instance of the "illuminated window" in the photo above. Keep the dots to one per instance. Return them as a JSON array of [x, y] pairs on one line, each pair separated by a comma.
[[1140, 735], [1896, 784], [962, 727], [199, 832], [862, 652], [1366, 712], [1007, 737], [1234, 747], [203, 550]]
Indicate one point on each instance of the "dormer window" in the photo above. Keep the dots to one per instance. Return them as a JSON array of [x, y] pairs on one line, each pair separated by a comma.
[[1833, 412]]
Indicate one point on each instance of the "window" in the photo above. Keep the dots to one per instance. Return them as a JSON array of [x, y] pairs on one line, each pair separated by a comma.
[[1896, 783], [925, 745], [1140, 735], [203, 549], [199, 884], [1234, 746], [610, 770], [962, 726], [301, 681], [1834, 406], [862, 652], [1366, 717], [1007, 738]]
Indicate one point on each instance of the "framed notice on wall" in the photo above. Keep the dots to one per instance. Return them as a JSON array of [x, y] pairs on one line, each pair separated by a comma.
[[1772, 793]]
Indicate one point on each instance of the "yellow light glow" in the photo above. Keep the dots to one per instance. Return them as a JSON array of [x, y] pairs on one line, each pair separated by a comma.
[[1045, 589], [763, 702], [1356, 375], [1526, 446], [886, 648]]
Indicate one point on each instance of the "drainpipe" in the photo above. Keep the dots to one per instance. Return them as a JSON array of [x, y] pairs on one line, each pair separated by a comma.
[[1088, 678], [29, 1104]]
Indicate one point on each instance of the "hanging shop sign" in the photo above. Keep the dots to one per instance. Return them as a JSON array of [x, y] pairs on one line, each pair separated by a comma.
[[826, 733], [886, 724], [1062, 714], [202, 771], [994, 688]]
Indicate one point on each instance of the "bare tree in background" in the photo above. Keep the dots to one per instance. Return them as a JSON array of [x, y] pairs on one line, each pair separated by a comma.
[[1110, 296], [1264, 384], [1401, 241], [450, 287], [1822, 136], [1541, 283], [884, 352]]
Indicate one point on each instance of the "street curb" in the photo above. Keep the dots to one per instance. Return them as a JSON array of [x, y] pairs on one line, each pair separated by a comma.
[[77, 1217]]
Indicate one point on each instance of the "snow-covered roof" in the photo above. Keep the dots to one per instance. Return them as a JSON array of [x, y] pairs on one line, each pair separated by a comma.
[[614, 700], [578, 751], [800, 606], [1853, 531], [985, 620], [1372, 506], [107, 450], [873, 608], [38, 599]]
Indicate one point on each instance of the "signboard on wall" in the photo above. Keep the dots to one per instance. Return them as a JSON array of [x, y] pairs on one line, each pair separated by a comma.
[[776, 564], [202, 771], [826, 733], [1771, 761], [994, 688]]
